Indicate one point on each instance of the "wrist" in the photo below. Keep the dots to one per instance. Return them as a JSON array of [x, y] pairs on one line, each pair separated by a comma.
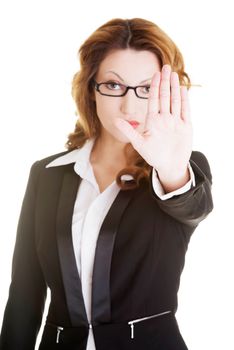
[[173, 179]]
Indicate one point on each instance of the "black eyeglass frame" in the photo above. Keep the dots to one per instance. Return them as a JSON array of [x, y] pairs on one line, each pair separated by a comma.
[[97, 86]]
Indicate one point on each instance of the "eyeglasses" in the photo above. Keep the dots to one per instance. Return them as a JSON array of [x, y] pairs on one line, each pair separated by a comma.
[[113, 89]]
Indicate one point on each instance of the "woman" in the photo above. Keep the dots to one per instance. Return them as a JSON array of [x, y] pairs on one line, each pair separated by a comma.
[[106, 224]]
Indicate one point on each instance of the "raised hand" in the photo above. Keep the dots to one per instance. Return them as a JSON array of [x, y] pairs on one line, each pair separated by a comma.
[[166, 143]]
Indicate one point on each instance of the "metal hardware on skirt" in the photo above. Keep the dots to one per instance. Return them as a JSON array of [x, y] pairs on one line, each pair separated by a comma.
[[59, 329], [131, 323]]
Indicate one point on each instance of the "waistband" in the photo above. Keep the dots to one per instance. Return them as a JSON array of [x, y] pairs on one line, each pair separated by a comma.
[[127, 327]]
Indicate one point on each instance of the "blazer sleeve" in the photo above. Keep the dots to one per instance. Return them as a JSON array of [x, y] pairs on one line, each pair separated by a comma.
[[27, 292], [194, 205]]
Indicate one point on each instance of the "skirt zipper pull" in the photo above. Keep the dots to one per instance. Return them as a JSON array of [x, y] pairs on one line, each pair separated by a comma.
[[132, 330], [59, 329]]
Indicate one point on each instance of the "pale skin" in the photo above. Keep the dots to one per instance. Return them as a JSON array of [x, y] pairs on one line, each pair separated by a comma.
[[164, 136]]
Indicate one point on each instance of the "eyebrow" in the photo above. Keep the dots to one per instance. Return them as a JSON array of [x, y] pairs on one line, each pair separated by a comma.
[[110, 71]]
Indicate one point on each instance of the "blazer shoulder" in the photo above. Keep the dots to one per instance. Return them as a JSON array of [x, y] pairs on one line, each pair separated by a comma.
[[39, 166], [41, 163], [48, 159]]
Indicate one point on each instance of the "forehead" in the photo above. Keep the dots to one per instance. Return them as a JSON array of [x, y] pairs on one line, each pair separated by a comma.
[[132, 65]]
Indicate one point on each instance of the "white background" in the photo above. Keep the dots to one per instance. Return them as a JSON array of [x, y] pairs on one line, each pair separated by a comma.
[[38, 57]]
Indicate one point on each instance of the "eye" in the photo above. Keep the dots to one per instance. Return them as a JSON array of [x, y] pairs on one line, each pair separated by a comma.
[[111, 85], [145, 89]]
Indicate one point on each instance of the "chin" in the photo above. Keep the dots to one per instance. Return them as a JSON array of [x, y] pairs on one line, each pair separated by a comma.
[[121, 138]]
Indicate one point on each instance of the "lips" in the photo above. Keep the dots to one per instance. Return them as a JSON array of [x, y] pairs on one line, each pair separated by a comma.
[[133, 123]]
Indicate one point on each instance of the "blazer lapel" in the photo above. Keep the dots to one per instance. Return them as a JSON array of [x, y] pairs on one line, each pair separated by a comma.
[[101, 299], [71, 278]]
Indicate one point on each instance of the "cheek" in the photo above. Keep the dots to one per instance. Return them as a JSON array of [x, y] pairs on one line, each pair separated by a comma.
[[107, 112], [109, 109]]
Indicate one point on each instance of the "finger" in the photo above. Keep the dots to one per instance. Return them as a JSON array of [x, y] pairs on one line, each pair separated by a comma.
[[175, 95], [164, 90], [185, 106], [153, 101], [134, 137]]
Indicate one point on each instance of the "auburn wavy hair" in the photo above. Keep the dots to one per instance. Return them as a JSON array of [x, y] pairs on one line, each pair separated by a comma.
[[137, 34]]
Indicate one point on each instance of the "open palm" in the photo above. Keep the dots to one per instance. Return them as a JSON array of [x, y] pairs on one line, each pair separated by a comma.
[[166, 143]]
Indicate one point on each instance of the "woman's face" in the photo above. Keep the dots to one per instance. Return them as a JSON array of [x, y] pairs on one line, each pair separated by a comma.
[[128, 67]]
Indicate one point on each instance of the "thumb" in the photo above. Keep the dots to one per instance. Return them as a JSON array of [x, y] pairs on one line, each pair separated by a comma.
[[134, 137]]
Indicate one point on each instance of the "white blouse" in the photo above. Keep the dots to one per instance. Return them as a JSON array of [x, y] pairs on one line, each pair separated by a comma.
[[90, 209]]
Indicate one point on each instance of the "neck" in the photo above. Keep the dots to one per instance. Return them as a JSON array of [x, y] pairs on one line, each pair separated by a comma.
[[108, 152]]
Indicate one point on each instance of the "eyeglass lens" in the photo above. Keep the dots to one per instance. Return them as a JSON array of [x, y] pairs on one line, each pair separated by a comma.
[[114, 89]]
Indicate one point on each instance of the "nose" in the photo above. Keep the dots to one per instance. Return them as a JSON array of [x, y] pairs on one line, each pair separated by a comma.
[[129, 102]]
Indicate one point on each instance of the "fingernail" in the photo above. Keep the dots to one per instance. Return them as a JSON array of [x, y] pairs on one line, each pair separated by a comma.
[[167, 68]]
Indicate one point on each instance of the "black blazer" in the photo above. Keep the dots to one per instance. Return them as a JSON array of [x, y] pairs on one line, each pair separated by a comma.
[[139, 258]]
